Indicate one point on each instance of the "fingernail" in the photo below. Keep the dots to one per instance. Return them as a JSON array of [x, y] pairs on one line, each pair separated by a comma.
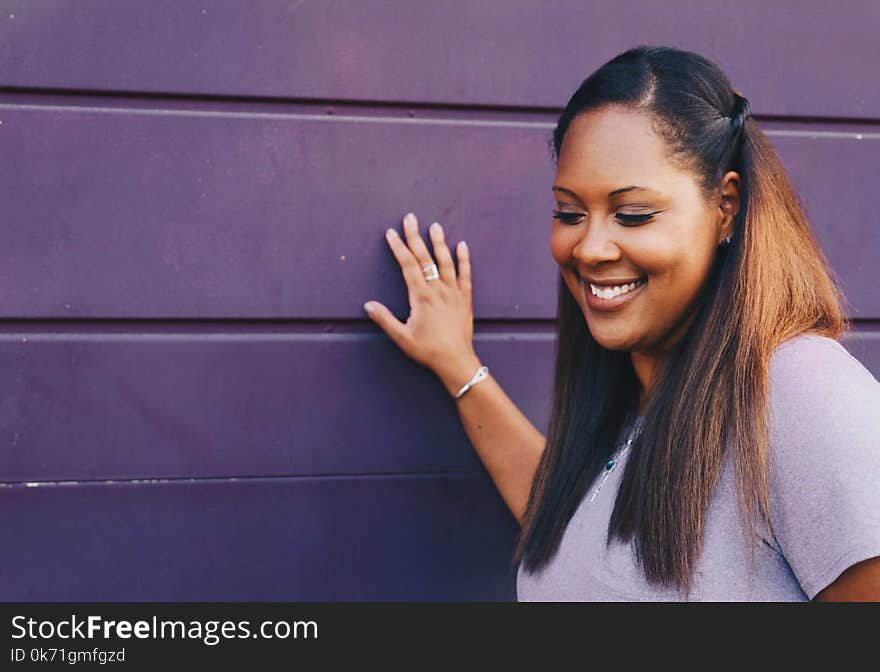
[[463, 245], [436, 228], [410, 218], [369, 306], [390, 233]]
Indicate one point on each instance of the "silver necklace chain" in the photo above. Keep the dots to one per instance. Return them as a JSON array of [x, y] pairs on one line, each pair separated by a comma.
[[612, 463]]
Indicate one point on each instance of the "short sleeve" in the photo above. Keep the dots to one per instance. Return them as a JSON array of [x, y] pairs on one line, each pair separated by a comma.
[[825, 459]]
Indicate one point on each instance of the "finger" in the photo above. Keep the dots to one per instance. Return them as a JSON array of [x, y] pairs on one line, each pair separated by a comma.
[[441, 252], [386, 321], [464, 269], [416, 244], [409, 265]]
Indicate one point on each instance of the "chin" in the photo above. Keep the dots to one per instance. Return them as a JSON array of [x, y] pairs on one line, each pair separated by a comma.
[[616, 345], [613, 341]]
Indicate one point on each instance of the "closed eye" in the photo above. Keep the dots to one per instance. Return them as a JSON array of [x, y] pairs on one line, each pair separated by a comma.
[[635, 219], [567, 217]]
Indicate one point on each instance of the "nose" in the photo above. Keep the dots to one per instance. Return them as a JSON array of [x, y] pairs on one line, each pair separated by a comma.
[[596, 244]]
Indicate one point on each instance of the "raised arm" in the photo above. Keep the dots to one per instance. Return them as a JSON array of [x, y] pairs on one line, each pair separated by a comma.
[[439, 335], [509, 446]]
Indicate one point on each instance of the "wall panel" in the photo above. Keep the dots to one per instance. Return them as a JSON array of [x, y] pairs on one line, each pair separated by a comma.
[[794, 58], [128, 406], [159, 214], [394, 538]]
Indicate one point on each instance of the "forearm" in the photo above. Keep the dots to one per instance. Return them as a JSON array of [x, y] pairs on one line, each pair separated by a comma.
[[508, 445]]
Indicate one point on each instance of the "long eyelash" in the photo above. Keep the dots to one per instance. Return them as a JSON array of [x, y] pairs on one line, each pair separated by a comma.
[[573, 218], [567, 217], [637, 219]]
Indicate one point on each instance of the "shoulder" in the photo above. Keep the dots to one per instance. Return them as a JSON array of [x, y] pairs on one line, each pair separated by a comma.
[[810, 353], [823, 402], [824, 458], [824, 422], [812, 374]]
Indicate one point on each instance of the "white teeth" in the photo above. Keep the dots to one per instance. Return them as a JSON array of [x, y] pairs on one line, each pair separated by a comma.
[[610, 292]]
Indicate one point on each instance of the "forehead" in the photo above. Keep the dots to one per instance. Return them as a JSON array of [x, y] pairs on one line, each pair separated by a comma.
[[611, 147]]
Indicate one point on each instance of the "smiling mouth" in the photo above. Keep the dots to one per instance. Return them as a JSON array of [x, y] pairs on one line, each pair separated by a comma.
[[608, 292], [605, 298]]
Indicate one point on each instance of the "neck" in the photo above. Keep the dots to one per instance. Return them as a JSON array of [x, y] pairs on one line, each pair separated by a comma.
[[644, 366]]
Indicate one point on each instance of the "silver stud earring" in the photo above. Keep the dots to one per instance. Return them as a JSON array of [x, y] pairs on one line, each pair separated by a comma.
[[725, 242]]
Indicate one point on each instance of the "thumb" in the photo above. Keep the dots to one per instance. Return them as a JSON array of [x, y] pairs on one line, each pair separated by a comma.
[[386, 320]]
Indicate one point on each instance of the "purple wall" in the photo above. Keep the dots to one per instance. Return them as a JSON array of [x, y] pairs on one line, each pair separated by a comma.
[[193, 405]]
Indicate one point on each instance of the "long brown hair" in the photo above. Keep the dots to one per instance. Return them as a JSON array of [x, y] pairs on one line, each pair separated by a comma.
[[711, 392]]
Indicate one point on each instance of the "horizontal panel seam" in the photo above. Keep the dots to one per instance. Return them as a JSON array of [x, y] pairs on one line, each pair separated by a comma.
[[69, 337], [435, 121], [864, 328], [240, 479], [293, 116]]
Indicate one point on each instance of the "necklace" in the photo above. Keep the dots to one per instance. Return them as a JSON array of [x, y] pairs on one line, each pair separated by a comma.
[[611, 464]]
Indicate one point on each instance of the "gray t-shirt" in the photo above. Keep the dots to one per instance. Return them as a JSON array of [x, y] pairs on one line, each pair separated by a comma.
[[825, 499]]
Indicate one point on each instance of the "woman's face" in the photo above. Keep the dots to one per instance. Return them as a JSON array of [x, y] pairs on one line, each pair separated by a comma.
[[663, 234]]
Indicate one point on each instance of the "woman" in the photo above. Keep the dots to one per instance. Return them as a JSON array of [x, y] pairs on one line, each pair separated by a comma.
[[709, 439]]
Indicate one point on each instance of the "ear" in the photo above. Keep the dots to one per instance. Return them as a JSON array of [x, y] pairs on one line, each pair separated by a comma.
[[728, 204]]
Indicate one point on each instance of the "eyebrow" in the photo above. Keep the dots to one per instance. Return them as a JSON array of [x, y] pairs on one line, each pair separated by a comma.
[[622, 190]]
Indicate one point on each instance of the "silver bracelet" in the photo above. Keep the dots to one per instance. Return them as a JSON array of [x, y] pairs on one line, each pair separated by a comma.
[[482, 372]]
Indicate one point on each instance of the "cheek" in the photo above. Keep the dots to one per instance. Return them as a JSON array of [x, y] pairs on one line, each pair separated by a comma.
[[677, 276], [560, 247]]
